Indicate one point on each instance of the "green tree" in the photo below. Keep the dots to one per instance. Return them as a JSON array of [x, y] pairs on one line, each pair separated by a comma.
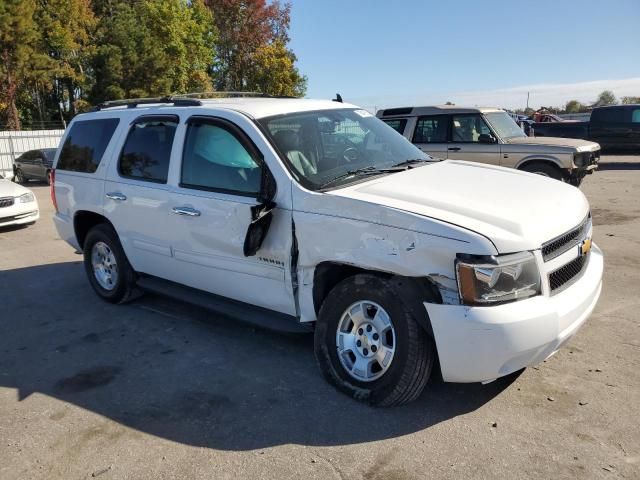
[[20, 62], [254, 35], [606, 98], [573, 106], [153, 47], [67, 27], [630, 100]]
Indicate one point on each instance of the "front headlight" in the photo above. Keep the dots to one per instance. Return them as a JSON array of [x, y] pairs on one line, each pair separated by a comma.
[[26, 198], [491, 280]]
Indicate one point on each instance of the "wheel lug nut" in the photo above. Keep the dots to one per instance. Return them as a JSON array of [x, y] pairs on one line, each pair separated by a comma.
[[374, 348], [376, 336], [359, 343], [369, 328], [360, 331], [365, 351]]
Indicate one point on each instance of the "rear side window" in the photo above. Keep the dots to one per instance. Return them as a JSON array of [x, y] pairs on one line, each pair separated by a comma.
[[431, 129], [147, 150], [397, 124], [610, 115], [85, 145]]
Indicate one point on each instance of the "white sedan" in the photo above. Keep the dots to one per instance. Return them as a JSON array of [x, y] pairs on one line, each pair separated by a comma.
[[18, 205]]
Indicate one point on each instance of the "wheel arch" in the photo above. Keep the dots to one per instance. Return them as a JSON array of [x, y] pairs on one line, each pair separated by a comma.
[[413, 290], [540, 159], [85, 220]]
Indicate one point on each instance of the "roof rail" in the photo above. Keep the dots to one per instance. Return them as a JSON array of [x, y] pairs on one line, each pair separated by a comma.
[[231, 94], [134, 102]]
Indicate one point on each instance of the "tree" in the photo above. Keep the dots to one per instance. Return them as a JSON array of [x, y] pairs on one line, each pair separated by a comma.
[[67, 27], [630, 100], [153, 47], [20, 62], [254, 35], [606, 98], [573, 106]]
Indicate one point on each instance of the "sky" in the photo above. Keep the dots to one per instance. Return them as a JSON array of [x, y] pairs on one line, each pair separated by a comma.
[[383, 53]]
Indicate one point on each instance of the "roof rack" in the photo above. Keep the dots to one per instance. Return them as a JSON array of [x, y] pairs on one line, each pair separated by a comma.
[[134, 102], [228, 94]]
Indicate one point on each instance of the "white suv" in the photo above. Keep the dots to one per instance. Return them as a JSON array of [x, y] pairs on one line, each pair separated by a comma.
[[316, 212]]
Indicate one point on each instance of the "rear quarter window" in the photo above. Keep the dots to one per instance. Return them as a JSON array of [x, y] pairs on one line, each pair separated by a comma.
[[397, 124], [610, 115], [85, 145]]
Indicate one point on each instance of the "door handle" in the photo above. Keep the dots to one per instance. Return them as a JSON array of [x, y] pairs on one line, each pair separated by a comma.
[[116, 196], [453, 149], [191, 212]]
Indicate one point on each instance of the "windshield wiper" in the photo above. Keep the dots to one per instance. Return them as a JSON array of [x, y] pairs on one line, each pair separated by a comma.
[[413, 161], [371, 170]]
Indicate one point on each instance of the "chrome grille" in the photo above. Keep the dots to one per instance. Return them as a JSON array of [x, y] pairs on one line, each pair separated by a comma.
[[6, 201], [564, 242], [564, 276]]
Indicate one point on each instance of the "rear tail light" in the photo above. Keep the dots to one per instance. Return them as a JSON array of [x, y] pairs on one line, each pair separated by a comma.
[[53, 189]]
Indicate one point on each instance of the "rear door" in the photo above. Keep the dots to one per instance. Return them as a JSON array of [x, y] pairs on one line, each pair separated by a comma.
[[431, 135], [137, 197], [611, 126], [473, 140], [211, 210]]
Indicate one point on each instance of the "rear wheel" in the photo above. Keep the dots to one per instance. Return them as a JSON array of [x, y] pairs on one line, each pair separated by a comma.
[[107, 267], [48, 177], [545, 169], [369, 345]]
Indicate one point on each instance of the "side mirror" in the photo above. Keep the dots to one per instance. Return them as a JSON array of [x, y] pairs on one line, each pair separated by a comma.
[[261, 214], [486, 138]]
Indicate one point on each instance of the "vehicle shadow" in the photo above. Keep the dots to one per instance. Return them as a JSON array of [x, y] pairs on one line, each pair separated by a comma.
[[619, 166], [188, 375]]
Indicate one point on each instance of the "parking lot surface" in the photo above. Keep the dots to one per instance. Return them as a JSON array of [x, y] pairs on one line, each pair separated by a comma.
[[158, 389]]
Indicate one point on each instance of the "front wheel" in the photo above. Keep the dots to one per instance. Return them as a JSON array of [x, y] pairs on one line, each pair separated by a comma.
[[19, 177], [369, 345], [546, 170], [106, 264]]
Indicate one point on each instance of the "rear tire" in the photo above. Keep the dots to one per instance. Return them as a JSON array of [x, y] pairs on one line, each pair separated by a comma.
[[545, 169], [106, 264], [48, 178], [357, 301]]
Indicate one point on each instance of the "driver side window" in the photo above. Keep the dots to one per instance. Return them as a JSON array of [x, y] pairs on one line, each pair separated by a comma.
[[215, 159], [468, 128]]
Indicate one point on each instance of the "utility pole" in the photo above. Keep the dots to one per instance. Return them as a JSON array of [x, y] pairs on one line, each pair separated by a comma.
[[527, 100]]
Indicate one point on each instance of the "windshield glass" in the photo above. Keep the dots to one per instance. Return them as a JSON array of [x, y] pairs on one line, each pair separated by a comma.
[[323, 146], [504, 125]]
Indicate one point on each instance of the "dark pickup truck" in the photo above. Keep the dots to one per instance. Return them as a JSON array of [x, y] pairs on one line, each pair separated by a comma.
[[615, 128]]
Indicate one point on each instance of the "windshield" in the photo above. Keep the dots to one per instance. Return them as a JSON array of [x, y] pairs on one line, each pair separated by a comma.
[[504, 125], [321, 147]]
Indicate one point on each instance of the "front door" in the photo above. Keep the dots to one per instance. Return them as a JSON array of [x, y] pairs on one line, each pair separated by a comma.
[[473, 140], [219, 182]]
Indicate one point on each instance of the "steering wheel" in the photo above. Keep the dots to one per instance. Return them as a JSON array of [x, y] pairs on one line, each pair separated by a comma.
[[351, 154]]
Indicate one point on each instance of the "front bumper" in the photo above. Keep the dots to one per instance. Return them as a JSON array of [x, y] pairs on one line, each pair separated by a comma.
[[19, 214], [480, 344]]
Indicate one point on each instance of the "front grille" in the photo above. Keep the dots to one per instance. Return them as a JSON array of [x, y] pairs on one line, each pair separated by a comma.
[[567, 274], [6, 201], [561, 244]]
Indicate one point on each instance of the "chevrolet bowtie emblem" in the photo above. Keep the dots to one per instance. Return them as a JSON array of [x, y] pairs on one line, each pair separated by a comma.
[[585, 246]]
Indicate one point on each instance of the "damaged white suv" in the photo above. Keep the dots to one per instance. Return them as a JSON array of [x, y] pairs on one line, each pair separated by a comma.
[[317, 213]]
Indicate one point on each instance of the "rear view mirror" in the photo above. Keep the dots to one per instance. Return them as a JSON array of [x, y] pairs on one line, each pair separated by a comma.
[[486, 138]]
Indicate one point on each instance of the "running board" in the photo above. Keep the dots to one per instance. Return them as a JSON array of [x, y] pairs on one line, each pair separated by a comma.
[[244, 312]]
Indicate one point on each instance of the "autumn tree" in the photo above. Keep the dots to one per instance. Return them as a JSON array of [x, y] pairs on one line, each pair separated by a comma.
[[20, 61], [153, 47], [629, 100], [252, 52]]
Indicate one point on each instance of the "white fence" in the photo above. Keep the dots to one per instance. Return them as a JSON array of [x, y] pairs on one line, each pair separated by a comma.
[[15, 143]]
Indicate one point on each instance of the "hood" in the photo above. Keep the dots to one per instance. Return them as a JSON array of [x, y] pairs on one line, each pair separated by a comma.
[[10, 189], [515, 210], [580, 145]]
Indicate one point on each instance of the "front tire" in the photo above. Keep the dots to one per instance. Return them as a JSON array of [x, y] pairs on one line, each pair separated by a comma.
[[19, 177], [369, 345], [106, 264], [545, 170]]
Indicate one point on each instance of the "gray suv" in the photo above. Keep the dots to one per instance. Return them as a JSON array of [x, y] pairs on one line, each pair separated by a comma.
[[490, 135]]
